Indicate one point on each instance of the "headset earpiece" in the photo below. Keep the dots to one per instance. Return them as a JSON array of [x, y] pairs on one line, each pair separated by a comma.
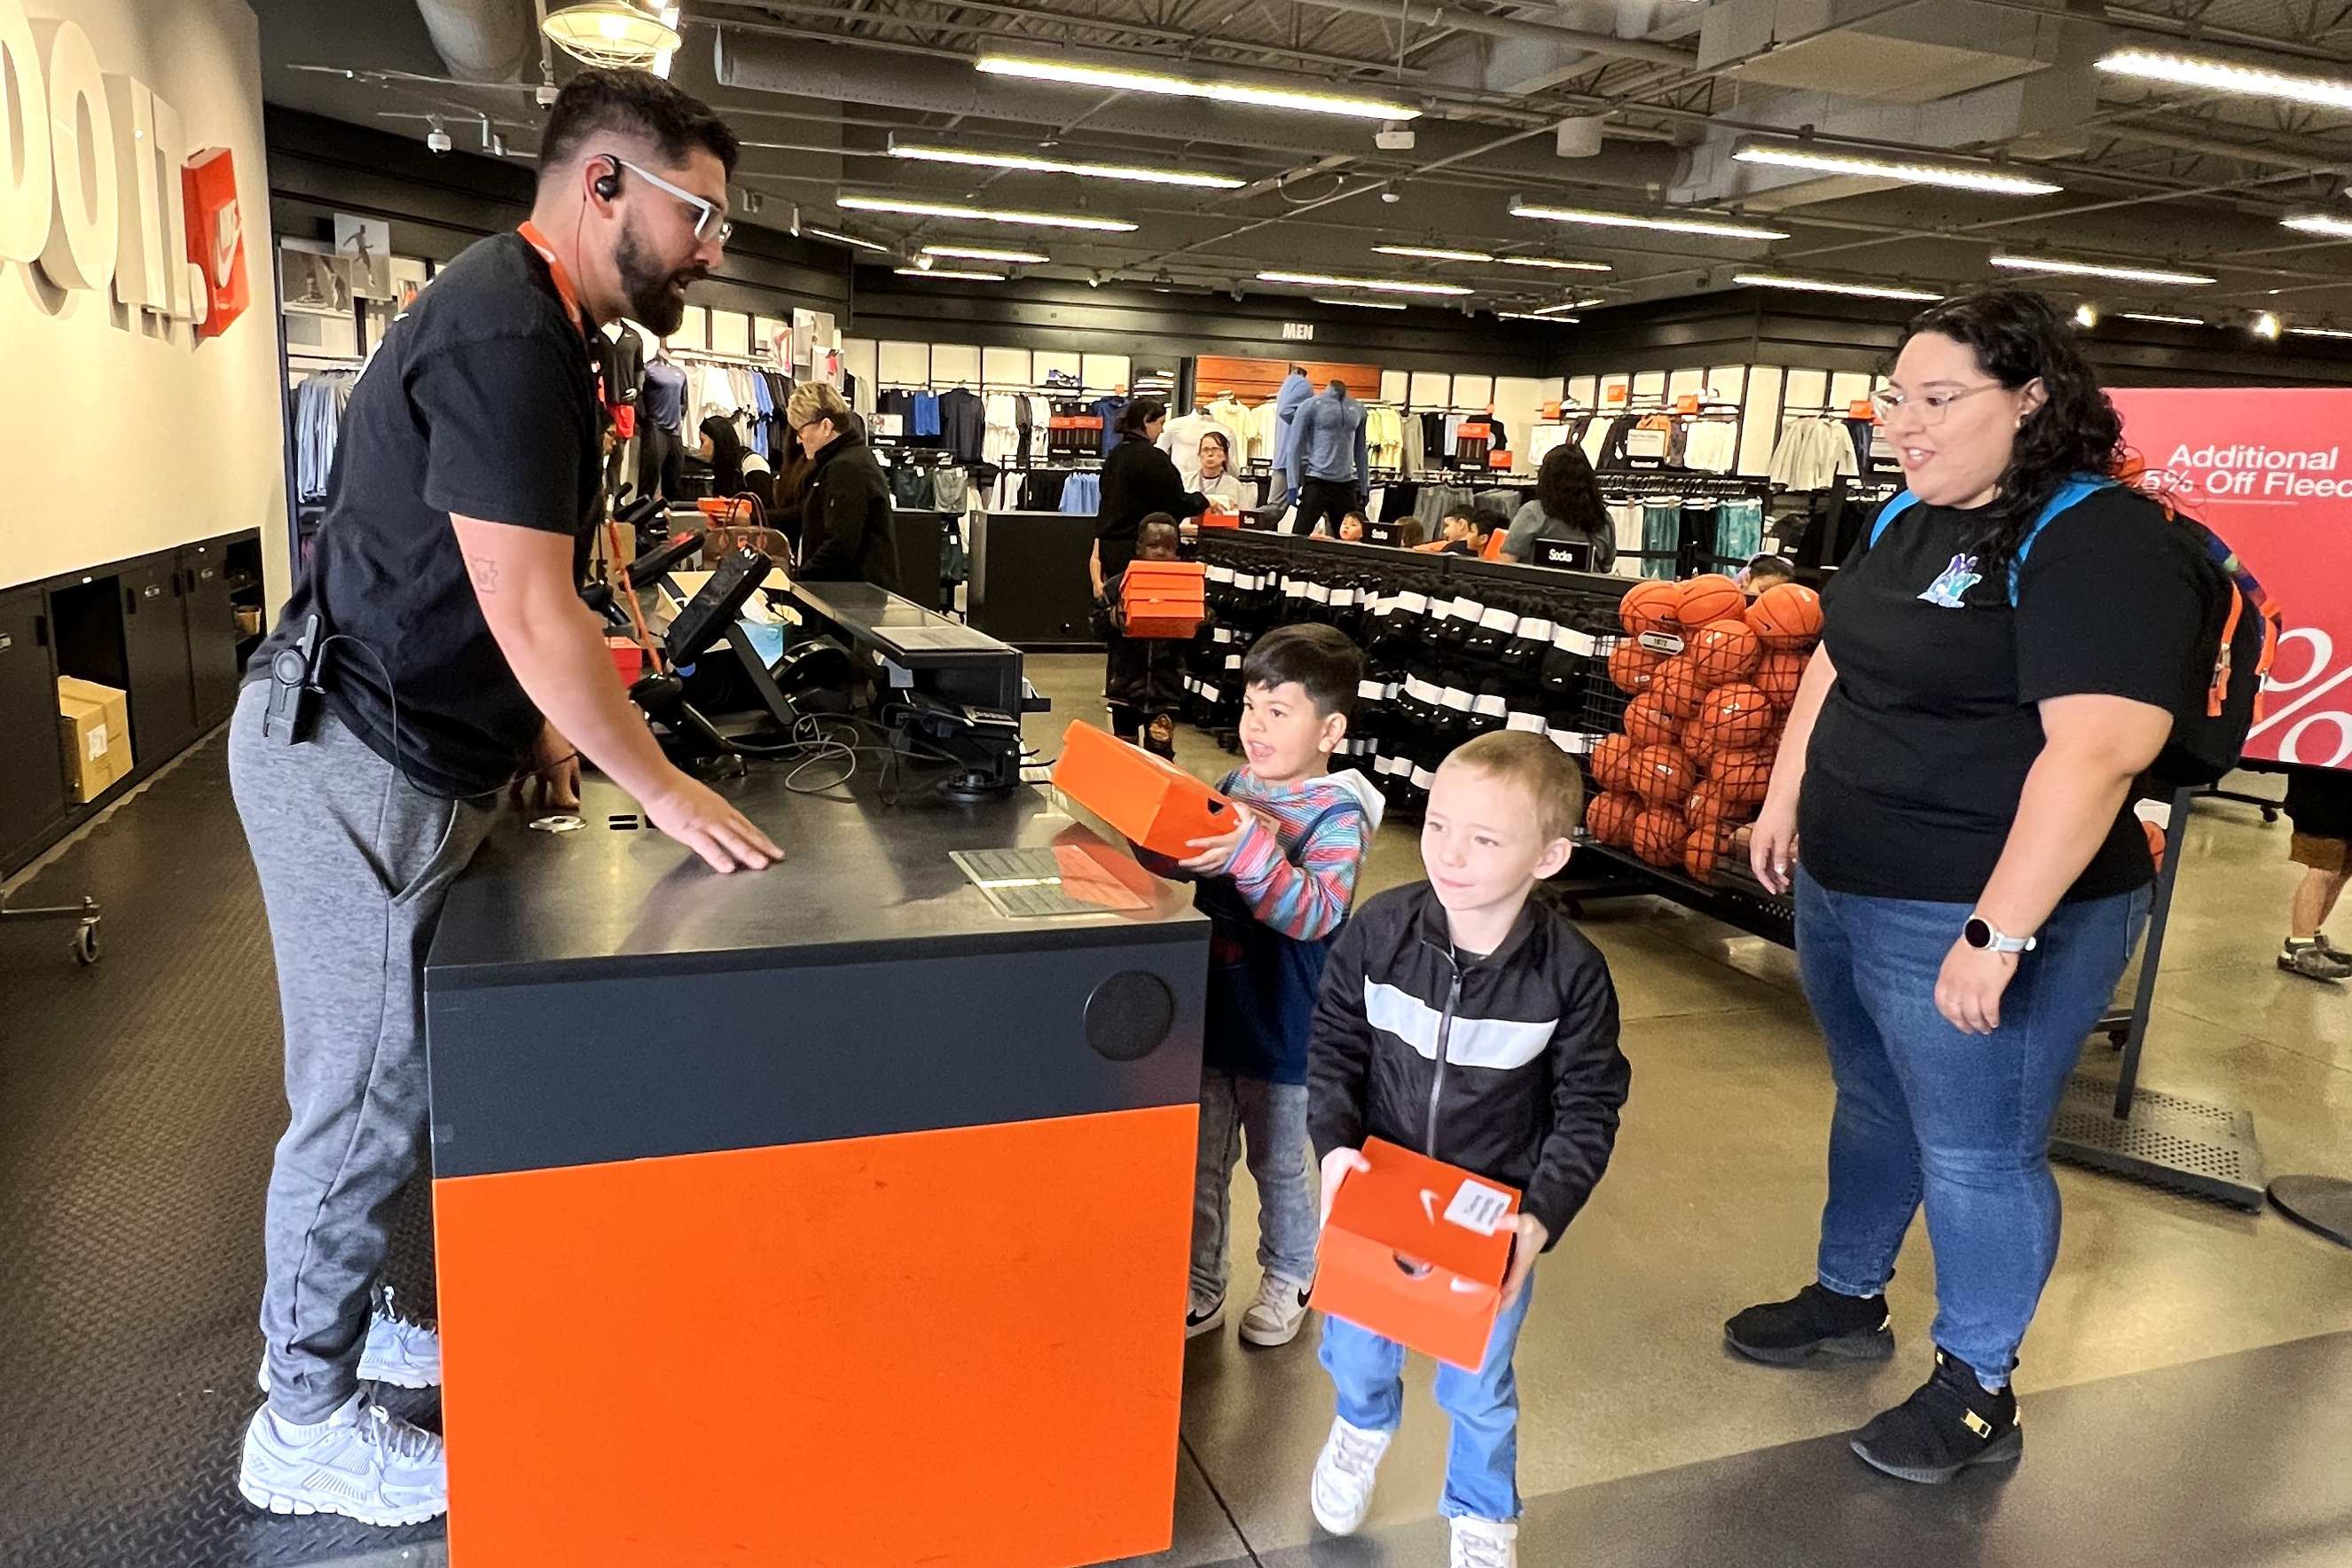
[[609, 185]]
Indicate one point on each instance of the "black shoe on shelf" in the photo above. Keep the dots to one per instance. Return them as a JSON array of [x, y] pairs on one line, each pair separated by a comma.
[[1816, 1322], [1951, 1423]]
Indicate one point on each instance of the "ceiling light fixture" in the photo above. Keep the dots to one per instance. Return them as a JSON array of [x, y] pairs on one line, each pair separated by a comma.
[[2320, 223], [611, 33], [1556, 264], [2317, 332], [1384, 285], [983, 215], [1534, 316], [1830, 286], [980, 253], [2266, 325], [1024, 161], [1710, 228], [1432, 253], [2161, 320], [1185, 86], [2222, 76], [838, 237], [1951, 176], [1560, 309], [2100, 269], [2086, 315], [1359, 304], [949, 272]]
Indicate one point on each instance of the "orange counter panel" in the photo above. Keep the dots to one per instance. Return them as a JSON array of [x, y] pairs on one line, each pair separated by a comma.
[[961, 1348]]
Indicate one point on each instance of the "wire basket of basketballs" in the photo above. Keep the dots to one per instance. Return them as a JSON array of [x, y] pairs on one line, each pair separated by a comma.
[[1699, 689]]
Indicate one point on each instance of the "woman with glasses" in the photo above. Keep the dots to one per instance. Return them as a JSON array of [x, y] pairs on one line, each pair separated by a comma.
[[1998, 662], [846, 531]]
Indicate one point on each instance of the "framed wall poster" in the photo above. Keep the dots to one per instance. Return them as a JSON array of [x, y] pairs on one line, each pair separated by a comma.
[[2270, 471], [363, 246], [310, 279]]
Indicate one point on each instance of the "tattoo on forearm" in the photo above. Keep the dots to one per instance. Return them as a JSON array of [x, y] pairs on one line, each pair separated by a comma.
[[485, 573]]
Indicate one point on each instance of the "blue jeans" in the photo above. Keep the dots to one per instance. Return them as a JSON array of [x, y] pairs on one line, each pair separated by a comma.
[[1961, 1121], [1273, 1118], [1482, 1461]]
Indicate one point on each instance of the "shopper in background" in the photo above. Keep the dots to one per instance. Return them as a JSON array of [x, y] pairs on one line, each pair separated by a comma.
[[1353, 527], [454, 656], [1277, 888], [1465, 530], [1765, 572], [846, 528], [722, 448], [1461, 1018], [1329, 472], [2319, 804], [1567, 505], [1142, 676], [1217, 481], [1137, 479], [1957, 774]]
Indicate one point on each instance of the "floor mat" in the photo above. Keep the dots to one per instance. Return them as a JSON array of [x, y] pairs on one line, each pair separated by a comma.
[[139, 1101]]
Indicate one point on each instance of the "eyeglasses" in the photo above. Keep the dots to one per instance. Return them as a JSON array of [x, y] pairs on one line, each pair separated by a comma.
[[1930, 404], [707, 213]]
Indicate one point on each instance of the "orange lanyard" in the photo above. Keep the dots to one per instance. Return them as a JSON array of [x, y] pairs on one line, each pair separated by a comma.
[[562, 279]]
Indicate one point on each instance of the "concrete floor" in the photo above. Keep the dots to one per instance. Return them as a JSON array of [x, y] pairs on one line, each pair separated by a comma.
[[1713, 1202]]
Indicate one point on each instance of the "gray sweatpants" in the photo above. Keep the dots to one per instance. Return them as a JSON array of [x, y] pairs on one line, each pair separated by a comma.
[[355, 863]]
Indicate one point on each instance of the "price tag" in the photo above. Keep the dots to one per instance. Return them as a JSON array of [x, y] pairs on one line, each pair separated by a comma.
[[1479, 1207]]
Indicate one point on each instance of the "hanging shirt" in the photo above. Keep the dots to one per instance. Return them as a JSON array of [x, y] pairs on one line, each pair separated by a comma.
[[1329, 433], [665, 396], [1294, 392]]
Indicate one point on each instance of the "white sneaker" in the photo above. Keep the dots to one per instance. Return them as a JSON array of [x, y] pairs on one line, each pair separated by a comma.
[[402, 1353], [1204, 1317], [1277, 1314], [1344, 1472], [362, 1462], [1485, 1543]]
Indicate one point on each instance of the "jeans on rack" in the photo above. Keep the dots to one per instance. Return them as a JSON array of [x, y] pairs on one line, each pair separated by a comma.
[[1961, 1122]]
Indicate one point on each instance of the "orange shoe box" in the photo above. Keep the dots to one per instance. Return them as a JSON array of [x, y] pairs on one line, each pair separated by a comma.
[[1164, 599], [1415, 1250], [1150, 800]]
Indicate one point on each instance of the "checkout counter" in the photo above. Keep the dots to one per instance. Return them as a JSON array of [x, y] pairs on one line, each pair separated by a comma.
[[762, 1200]]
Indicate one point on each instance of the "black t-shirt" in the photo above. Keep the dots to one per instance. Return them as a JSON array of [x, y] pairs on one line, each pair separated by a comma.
[[481, 401], [1923, 744]]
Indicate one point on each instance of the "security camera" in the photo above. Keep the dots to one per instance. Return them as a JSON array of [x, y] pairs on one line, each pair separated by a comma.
[[1391, 195], [437, 139], [1236, 292]]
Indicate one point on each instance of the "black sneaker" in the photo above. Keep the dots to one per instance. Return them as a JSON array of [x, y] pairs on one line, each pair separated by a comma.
[[2315, 960], [1951, 1423], [1204, 1317], [1816, 1322]]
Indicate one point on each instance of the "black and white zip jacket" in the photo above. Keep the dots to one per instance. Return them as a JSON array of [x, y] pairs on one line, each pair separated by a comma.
[[1507, 1065]]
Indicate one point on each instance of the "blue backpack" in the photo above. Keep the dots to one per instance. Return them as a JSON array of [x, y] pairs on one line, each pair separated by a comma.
[[2236, 643]]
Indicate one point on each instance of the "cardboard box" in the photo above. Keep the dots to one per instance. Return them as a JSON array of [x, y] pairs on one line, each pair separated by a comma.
[[1164, 599], [95, 721], [1150, 800], [1415, 1250]]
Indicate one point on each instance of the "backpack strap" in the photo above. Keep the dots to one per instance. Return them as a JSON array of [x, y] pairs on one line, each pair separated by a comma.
[[1896, 505], [2079, 489]]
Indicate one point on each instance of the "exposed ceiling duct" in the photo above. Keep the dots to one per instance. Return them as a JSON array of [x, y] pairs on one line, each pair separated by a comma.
[[482, 40]]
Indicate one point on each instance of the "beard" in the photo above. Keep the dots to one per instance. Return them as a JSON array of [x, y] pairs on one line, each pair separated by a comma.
[[657, 298]]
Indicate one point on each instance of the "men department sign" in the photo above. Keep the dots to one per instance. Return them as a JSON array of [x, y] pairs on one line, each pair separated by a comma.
[[98, 190]]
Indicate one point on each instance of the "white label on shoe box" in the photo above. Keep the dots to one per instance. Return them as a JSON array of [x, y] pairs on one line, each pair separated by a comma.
[[95, 743], [1479, 1207]]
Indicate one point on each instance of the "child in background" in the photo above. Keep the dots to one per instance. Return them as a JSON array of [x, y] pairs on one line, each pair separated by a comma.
[[1143, 678], [1765, 572], [1352, 527], [1460, 1018], [1277, 888]]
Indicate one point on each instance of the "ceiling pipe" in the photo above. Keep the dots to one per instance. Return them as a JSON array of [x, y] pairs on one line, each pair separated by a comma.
[[480, 40], [1518, 27]]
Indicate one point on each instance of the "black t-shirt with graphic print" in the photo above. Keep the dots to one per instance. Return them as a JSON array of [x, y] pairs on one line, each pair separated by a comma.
[[1923, 744], [481, 401]]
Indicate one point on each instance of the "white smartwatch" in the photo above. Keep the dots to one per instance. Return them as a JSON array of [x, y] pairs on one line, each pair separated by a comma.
[[1980, 932]]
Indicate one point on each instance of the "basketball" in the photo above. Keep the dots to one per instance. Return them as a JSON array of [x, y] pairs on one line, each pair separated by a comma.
[[1706, 850], [1735, 717], [1660, 773], [1786, 614], [1631, 668], [1609, 818], [1705, 806], [1742, 778], [1649, 606], [1649, 724], [1609, 759], [2155, 843], [1724, 651], [1709, 598], [1658, 838], [1777, 675], [1678, 688]]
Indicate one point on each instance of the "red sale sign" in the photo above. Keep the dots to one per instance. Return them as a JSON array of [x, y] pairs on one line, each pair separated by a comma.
[[2270, 471]]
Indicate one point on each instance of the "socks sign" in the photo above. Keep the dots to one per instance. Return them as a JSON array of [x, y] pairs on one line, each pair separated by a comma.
[[96, 188]]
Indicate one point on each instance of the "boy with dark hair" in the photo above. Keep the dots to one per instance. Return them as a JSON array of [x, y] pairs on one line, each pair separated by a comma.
[[1461, 1018], [1277, 888], [1143, 678]]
